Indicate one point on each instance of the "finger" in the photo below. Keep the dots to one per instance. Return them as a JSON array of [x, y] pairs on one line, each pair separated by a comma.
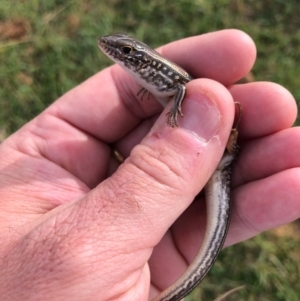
[[256, 207], [267, 108], [265, 204], [137, 204], [263, 157], [79, 117], [225, 56], [106, 105]]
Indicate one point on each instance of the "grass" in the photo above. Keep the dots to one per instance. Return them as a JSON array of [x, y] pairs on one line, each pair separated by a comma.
[[48, 47]]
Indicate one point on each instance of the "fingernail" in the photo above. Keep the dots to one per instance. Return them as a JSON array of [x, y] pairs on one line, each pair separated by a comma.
[[201, 116]]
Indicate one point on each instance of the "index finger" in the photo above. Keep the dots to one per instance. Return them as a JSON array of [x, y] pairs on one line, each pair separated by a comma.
[[106, 105]]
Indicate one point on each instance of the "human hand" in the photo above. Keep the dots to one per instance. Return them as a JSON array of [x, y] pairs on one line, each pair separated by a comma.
[[70, 232]]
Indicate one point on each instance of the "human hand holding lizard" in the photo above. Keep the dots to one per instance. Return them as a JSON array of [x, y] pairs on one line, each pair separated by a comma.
[[69, 232]]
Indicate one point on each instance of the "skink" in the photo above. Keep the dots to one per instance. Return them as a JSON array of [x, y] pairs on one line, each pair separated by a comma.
[[166, 81]]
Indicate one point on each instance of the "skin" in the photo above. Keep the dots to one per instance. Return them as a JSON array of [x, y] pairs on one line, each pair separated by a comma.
[[74, 226]]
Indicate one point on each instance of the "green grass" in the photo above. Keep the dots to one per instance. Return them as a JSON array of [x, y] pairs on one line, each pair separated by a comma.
[[48, 47]]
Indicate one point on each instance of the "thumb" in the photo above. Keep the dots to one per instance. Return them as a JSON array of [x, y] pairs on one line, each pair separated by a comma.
[[162, 176]]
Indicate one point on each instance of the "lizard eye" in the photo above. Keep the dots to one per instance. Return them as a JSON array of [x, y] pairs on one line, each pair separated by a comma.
[[126, 49]]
